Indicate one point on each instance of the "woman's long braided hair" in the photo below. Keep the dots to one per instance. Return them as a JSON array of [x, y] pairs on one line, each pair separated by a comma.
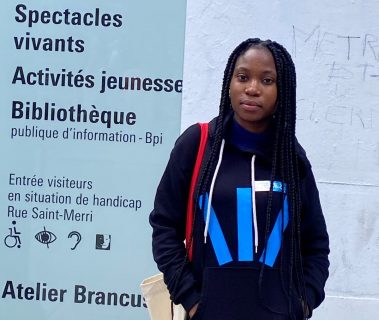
[[284, 159]]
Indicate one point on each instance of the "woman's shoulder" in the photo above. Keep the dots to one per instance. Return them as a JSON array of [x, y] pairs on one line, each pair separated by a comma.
[[188, 140], [305, 166], [191, 136], [185, 149], [301, 153]]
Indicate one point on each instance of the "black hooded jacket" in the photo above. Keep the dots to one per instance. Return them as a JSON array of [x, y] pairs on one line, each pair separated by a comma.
[[225, 276]]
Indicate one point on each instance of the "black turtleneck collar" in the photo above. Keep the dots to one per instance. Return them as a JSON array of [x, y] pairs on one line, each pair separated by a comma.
[[260, 144]]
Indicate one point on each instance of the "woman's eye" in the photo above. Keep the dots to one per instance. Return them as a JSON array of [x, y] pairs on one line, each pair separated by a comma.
[[241, 77], [268, 81]]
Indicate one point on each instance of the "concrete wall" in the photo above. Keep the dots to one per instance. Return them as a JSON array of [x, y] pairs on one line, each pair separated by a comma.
[[335, 46]]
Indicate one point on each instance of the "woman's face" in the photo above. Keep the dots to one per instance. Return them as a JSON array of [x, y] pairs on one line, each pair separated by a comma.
[[253, 89]]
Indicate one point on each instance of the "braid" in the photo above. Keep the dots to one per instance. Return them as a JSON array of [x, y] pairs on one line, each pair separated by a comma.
[[289, 161]]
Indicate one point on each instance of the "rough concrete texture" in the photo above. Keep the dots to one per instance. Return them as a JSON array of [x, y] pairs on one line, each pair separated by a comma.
[[335, 46]]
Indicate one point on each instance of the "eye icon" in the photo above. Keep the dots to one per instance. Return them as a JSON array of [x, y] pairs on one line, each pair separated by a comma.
[[45, 237]]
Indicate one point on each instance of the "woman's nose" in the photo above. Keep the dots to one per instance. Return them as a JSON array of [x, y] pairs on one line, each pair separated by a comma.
[[252, 88]]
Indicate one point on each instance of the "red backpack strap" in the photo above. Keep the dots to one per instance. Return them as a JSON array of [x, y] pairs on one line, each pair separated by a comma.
[[195, 175]]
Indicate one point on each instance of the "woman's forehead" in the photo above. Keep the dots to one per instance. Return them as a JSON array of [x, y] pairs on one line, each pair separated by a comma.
[[256, 57]]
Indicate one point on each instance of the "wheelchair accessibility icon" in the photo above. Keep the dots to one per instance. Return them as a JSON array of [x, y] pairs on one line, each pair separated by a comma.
[[13, 238]]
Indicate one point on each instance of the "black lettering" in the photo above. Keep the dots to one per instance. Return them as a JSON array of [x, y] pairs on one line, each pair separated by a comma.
[[158, 84], [9, 290], [117, 20], [146, 84], [168, 85], [19, 75], [124, 299], [22, 16], [79, 295], [178, 85]]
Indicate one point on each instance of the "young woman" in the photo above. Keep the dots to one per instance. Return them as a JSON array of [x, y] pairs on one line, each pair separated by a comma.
[[260, 244]]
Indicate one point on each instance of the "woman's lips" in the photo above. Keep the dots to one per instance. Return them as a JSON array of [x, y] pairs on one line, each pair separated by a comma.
[[250, 105]]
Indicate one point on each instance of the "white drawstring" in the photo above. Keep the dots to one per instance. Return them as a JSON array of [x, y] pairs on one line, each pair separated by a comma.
[[208, 216], [209, 203], [254, 204]]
